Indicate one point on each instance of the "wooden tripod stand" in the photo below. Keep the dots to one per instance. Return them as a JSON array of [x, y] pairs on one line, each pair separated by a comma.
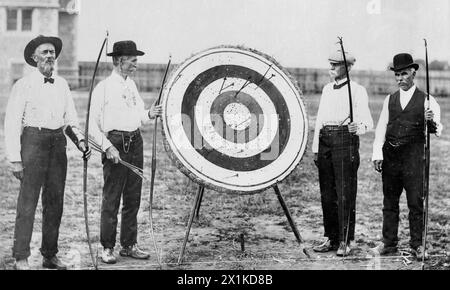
[[196, 210]]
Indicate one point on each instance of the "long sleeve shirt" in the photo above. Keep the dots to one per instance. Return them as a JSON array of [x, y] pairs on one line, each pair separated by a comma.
[[33, 103], [334, 109], [405, 97], [115, 105]]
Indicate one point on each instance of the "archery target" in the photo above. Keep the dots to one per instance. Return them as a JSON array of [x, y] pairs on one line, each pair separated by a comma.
[[233, 120]]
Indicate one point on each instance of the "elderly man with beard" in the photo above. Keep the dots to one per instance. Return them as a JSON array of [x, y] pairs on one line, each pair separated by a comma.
[[336, 153], [118, 112], [39, 111], [398, 153]]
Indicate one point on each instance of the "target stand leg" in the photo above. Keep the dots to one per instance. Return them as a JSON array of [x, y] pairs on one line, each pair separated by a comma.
[[303, 252], [288, 214], [191, 218], [197, 210]]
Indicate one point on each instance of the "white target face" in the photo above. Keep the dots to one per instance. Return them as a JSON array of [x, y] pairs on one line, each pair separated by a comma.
[[233, 120]]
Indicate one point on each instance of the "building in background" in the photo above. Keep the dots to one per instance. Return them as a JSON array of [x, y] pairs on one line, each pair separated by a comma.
[[21, 21]]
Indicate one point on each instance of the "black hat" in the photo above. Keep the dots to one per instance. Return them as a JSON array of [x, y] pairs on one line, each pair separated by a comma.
[[125, 47], [34, 43], [402, 61]]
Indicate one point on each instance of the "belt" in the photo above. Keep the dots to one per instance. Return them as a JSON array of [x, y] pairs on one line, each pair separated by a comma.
[[334, 123], [127, 137], [335, 128], [125, 133], [44, 130]]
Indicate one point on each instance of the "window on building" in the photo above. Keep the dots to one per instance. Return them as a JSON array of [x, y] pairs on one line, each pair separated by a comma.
[[19, 19], [26, 19], [11, 16]]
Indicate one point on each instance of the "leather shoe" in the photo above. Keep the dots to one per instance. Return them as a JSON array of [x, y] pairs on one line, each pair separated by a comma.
[[21, 265], [327, 246], [419, 252], [382, 249], [53, 263], [134, 252]]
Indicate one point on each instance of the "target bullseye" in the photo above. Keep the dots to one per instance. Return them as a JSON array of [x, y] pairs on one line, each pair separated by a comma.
[[237, 116]]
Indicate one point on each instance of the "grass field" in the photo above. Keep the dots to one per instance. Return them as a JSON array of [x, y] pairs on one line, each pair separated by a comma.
[[214, 240]]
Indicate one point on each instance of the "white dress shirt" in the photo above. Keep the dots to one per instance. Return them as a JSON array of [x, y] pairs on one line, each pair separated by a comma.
[[35, 104], [405, 97], [334, 109], [115, 105]]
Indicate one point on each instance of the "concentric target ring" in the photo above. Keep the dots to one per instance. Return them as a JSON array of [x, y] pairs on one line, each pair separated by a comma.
[[233, 120]]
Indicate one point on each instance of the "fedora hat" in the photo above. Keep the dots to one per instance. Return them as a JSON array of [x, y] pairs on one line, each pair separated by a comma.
[[35, 42], [125, 47], [403, 61], [337, 57]]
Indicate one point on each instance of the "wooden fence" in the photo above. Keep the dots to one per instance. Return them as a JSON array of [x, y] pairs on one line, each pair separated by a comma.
[[310, 80]]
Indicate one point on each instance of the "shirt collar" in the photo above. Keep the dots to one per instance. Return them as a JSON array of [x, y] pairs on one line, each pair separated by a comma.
[[339, 81], [39, 77], [409, 92], [117, 76]]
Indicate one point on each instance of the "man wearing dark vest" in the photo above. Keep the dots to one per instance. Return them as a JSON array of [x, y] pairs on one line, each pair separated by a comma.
[[398, 153]]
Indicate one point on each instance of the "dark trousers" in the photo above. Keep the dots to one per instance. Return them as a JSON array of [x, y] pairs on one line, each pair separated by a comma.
[[338, 162], [119, 182], [44, 161], [402, 169]]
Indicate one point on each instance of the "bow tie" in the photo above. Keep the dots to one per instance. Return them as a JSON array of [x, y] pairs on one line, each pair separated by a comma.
[[336, 87], [50, 80]]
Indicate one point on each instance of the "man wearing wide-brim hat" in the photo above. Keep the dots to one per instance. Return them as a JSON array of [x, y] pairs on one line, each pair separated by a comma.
[[336, 153], [118, 112], [39, 111], [398, 153]]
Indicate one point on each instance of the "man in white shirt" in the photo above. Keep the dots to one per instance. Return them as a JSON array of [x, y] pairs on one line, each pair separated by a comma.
[[336, 153], [40, 109], [398, 153], [117, 113]]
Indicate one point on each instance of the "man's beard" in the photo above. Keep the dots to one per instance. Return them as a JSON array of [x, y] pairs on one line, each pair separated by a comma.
[[47, 67]]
